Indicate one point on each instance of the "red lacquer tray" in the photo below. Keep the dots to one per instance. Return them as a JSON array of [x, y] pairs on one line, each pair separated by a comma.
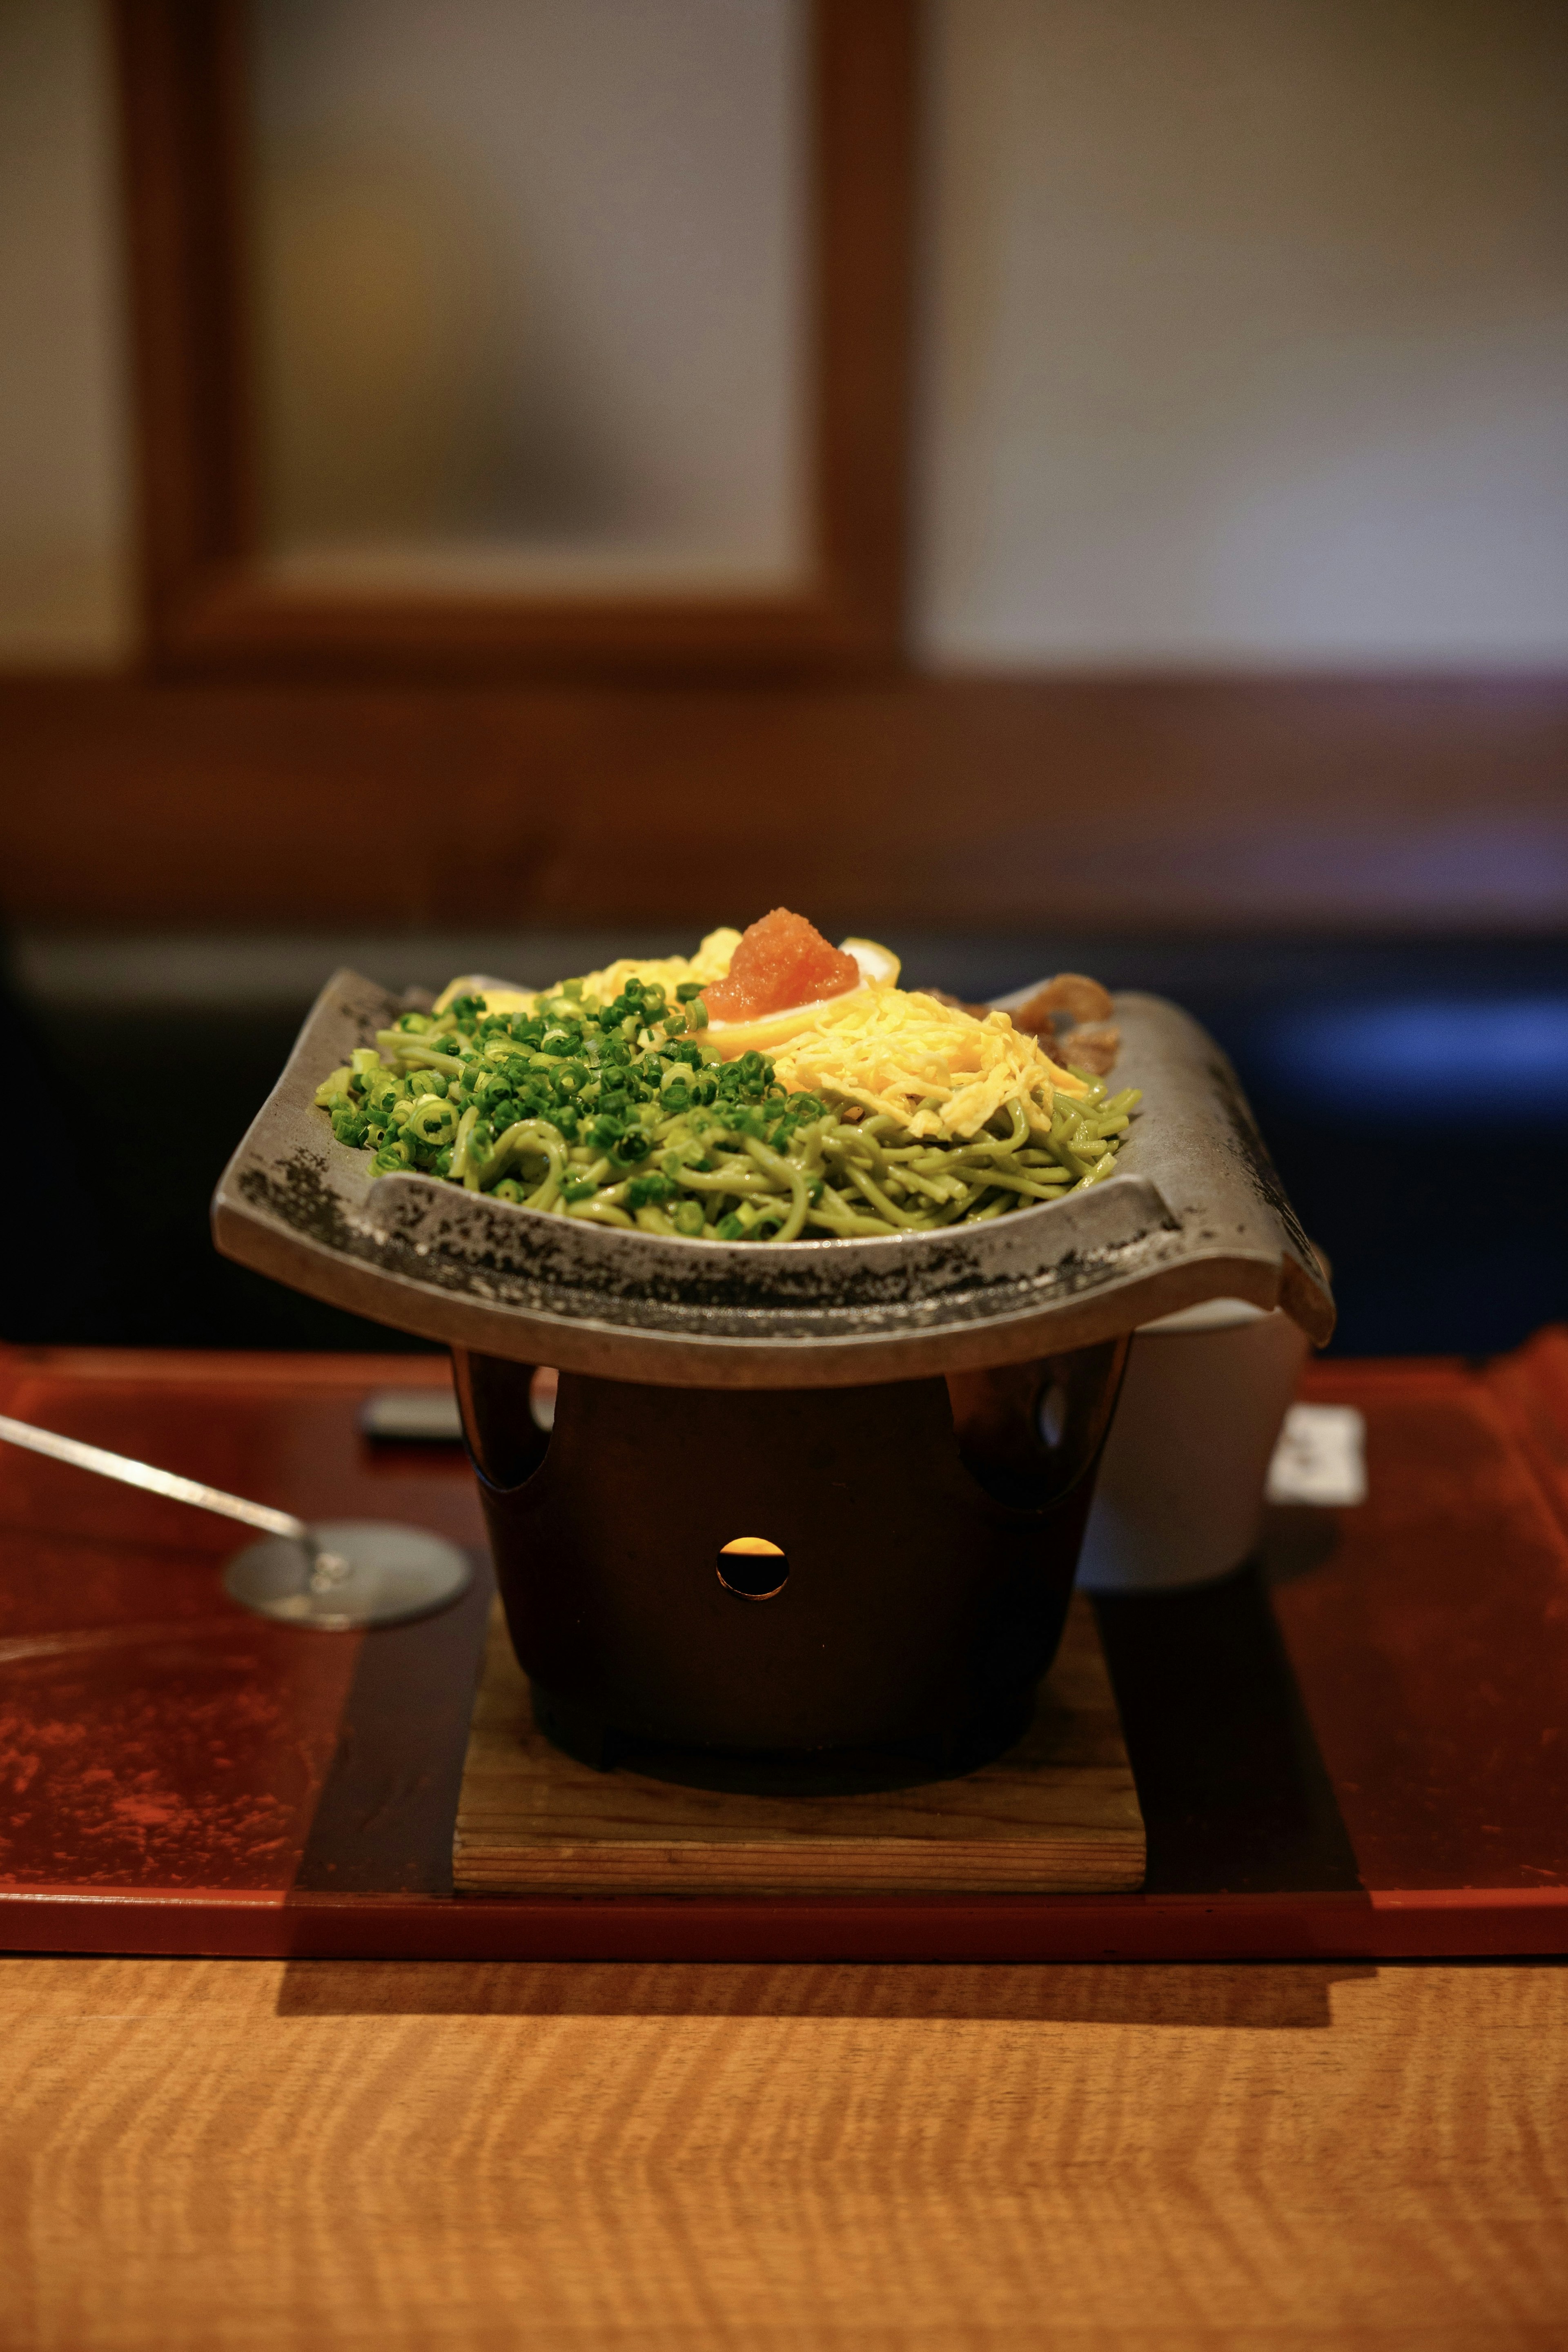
[[1356, 1748]]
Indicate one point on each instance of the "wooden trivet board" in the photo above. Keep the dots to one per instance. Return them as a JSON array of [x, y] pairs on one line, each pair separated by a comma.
[[1058, 1814]]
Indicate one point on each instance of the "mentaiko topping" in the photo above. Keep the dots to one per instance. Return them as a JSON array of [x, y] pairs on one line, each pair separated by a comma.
[[885, 1111], [780, 962]]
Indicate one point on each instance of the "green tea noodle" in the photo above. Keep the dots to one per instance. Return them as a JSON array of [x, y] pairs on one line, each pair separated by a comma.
[[620, 1115]]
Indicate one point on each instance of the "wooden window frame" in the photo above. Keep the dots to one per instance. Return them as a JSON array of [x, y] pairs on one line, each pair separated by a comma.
[[207, 607]]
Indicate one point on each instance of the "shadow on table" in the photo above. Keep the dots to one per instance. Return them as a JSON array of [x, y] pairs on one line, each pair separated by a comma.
[[1234, 1791], [1244, 1996], [1235, 1798], [1235, 1795]]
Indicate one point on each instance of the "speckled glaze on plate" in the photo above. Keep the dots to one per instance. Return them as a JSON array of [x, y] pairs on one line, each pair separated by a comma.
[[1194, 1212]]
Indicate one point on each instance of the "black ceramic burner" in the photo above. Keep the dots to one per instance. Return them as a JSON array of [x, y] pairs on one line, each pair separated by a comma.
[[907, 1553]]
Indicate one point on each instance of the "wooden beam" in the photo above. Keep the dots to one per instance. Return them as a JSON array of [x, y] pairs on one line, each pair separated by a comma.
[[956, 803]]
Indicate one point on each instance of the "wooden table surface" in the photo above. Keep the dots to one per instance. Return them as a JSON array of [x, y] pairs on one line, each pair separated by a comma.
[[232, 2153]]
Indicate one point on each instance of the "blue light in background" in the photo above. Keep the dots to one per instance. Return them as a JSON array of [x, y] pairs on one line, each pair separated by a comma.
[[1420, 1054]]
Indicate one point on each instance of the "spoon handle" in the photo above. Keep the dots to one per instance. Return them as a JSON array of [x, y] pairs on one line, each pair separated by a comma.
[[156, 1482]]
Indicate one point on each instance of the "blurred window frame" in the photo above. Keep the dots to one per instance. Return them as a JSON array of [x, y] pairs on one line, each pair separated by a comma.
[[207, 608]]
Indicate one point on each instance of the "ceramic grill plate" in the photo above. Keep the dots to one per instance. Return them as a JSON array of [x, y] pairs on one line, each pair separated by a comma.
[[1196, 1211]]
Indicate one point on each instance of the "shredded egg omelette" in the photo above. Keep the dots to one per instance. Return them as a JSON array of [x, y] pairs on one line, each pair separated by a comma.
[[938, 1071]]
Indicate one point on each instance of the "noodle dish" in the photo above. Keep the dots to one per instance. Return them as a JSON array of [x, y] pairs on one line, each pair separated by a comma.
[[770, 1087]]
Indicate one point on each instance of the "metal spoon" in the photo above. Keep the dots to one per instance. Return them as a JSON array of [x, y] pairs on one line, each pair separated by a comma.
[[339, 1575]]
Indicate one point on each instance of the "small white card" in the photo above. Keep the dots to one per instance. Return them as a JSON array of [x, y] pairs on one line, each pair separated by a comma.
[[1321, 1457]]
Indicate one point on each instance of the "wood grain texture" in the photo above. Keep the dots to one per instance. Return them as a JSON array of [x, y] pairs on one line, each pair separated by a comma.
[[209, 603], [1058, 1814], [948, 804], [239, 2155]]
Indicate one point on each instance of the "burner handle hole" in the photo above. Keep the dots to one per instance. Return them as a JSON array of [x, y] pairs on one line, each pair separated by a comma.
[[1053, 1415], [542, 1391], [752, 1568]]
